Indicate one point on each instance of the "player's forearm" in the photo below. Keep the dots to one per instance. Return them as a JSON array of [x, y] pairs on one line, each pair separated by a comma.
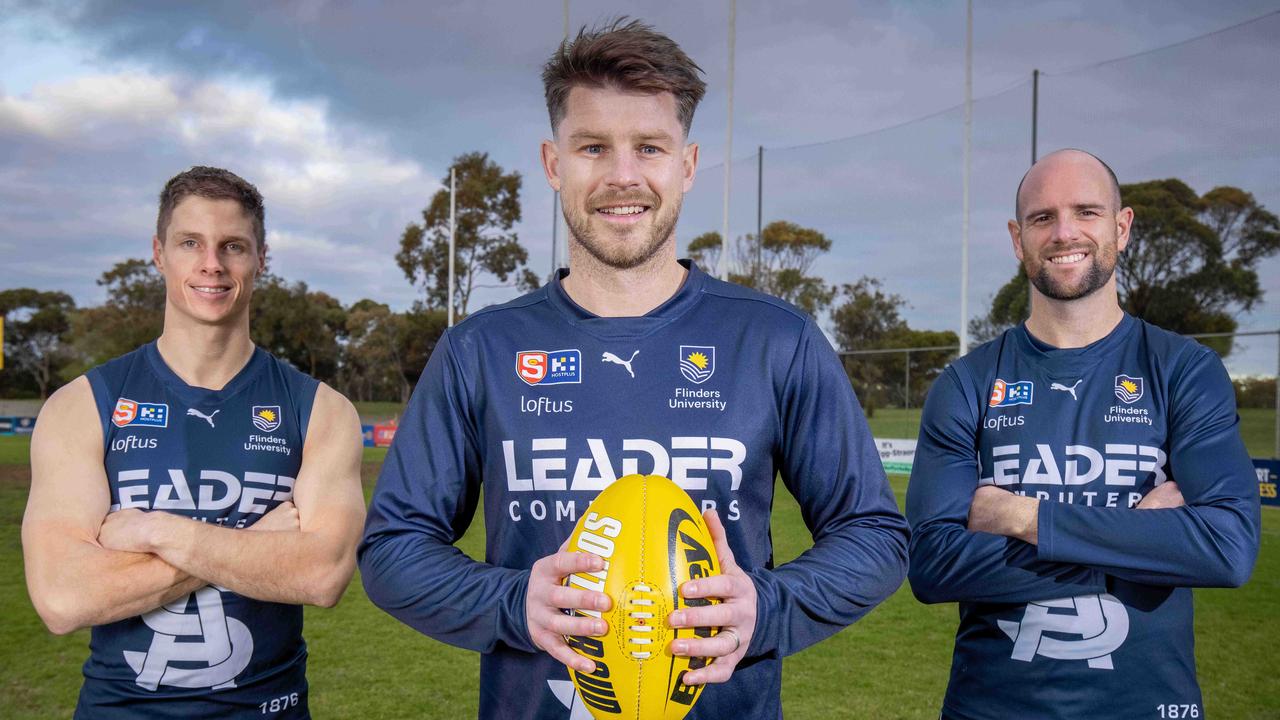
[[830, 586], [1197, 546], [298, 566], [437, 590], [84, 585], [951, 564]]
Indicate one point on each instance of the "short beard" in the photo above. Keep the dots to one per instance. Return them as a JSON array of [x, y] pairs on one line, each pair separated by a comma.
[[1096, 277], [624, 257]]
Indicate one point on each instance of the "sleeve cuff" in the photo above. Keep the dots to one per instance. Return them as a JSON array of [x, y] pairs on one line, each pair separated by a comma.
[[1044, 531], [515, 634], [761, 644]]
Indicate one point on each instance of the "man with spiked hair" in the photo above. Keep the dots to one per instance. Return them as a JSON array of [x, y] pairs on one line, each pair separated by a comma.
[[189, 497], [1074, 479], [724, 389]]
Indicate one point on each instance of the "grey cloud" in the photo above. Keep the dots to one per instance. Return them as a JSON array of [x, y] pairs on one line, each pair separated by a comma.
[[434, 80]]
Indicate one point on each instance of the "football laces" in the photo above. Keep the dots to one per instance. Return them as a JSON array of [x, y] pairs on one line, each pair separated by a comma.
[[640, 606]]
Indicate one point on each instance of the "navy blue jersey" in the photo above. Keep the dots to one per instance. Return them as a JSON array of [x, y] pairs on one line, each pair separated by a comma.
[[226, 457], [1095, 621], [541, 405]]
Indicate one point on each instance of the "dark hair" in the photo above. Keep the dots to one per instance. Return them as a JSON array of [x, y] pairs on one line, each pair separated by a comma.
[[215, 184], [625, 54], [1115, 183]]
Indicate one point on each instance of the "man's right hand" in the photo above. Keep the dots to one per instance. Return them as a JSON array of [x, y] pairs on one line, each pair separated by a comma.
[[546, 599], [1164, 495]]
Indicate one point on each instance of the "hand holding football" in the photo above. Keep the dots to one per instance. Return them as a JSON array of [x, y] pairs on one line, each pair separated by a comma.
[[647, 539]]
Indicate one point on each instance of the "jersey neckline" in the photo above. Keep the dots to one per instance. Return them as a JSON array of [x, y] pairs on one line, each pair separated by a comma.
[[688, 295], [198, 396], [1072, 362]]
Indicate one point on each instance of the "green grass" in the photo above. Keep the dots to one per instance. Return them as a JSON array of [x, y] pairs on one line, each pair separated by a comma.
[[15, 449], [372, 412], [892, 664], [895, 423], [1258, 428]]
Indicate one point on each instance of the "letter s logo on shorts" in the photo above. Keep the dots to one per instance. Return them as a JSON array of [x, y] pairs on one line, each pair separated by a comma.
[[1101, 621]]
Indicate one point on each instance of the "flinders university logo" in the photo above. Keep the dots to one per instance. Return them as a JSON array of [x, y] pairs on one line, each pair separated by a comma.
[[1129, 389], [130, 412], [697, 362], [209, 648], [1008, 394], [1100, 622], [549, 367], [266, 417]]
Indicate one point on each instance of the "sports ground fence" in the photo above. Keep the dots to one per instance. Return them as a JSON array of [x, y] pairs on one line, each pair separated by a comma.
[[1204, 110]]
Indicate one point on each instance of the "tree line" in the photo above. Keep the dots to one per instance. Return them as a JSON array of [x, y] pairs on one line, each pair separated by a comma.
[[1191, 266], [365, 350]]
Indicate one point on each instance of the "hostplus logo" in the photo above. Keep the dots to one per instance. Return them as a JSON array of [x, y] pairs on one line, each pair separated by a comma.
[[549, 367], [131, 412], [1008, 394]]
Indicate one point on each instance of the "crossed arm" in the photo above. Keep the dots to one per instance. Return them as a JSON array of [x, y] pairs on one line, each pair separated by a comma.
[[86, 567], [984, 544]]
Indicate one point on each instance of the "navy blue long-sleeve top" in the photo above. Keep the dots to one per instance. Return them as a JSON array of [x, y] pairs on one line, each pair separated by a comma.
[[541, 405], [1095, 620]]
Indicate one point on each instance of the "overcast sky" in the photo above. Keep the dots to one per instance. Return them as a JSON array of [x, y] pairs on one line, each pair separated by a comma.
[[346, 116]]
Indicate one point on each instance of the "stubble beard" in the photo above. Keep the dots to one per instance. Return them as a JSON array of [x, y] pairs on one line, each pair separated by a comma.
[[627, 254], [1101, 268]]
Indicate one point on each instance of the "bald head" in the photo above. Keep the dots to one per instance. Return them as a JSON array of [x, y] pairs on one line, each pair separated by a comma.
[[1080, 166]]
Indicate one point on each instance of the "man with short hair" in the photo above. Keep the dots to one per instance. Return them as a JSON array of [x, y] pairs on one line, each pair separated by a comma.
[[147, 473], [1074, 479], [722, 388]]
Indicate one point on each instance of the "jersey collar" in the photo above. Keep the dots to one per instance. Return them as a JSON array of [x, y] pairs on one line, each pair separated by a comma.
[[676, 306], [198, 396], [1072, 362]]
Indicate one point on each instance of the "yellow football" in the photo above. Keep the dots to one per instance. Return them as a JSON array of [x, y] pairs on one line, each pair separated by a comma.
[[652, 539]]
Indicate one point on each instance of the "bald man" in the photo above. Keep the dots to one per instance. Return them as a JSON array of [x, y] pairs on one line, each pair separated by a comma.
[[1074, 479]]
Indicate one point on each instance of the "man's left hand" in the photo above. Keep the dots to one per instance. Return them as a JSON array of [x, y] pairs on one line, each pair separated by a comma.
[[735, 614], [129, 530], [1000, 512]]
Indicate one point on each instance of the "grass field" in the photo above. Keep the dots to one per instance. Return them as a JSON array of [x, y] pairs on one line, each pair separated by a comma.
[[892, 664]]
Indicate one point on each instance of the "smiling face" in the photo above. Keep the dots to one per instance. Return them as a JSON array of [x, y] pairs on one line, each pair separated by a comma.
[[1071, 228], [622, 167], [209, 259]]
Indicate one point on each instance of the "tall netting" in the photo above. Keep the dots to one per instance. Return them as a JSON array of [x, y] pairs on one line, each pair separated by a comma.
[[891, 199]]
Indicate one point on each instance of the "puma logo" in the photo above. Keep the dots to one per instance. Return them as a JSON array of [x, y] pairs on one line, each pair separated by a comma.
[[207, 418], [611, 358], [1064, 388]]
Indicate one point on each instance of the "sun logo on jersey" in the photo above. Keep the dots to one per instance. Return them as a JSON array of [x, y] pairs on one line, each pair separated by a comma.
[[697, 362], [1129, 389], [266, 417]]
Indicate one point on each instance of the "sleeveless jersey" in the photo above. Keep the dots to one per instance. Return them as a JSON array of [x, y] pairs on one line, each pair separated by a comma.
[[226, 457], [1095, 621]]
